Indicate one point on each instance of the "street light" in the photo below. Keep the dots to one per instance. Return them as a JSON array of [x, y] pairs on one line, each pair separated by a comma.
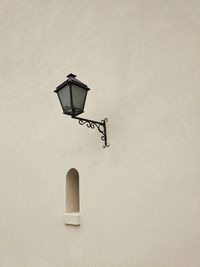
[[72, 96]]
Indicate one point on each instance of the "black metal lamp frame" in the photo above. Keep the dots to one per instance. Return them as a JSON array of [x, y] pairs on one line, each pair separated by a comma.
[[101, 127]]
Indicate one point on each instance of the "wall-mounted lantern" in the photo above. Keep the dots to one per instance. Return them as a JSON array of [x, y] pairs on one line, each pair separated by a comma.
[[72, 95]]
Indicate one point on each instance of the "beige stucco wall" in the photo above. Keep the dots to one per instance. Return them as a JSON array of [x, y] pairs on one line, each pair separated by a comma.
[[140, 198]]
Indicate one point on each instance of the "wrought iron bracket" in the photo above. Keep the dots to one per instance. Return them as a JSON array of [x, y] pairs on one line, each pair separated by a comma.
[[100, 125]]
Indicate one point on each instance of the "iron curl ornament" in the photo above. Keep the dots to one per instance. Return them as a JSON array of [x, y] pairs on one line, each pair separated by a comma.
[[100, 125]]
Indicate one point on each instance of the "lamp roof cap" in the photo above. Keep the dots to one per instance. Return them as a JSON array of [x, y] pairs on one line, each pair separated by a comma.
[[72, 79]]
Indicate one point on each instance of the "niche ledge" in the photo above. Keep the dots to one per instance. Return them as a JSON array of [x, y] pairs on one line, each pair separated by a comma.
[[72, 218]]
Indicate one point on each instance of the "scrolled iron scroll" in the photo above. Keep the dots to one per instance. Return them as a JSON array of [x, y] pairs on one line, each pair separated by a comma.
[[101, 126], [89, 124]]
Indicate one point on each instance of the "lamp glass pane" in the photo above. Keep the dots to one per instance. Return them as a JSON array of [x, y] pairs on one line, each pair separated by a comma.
[[78, 98], [64, 96]]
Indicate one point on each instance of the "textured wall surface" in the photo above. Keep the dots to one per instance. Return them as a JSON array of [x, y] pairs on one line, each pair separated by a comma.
[[140, 198]]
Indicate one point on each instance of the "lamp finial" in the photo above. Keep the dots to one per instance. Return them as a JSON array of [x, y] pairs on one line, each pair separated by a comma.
[[71, 75]]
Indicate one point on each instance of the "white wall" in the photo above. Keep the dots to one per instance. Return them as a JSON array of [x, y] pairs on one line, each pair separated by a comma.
[[140, 197]]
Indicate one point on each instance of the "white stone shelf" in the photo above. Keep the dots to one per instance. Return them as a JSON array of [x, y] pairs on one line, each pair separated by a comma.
[[72, 218]]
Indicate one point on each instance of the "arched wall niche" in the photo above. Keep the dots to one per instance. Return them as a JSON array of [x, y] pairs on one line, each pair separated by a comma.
[[72, 210], [72, 191]]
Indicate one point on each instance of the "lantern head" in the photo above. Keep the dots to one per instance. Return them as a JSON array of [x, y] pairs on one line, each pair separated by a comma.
[[72, 95]]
